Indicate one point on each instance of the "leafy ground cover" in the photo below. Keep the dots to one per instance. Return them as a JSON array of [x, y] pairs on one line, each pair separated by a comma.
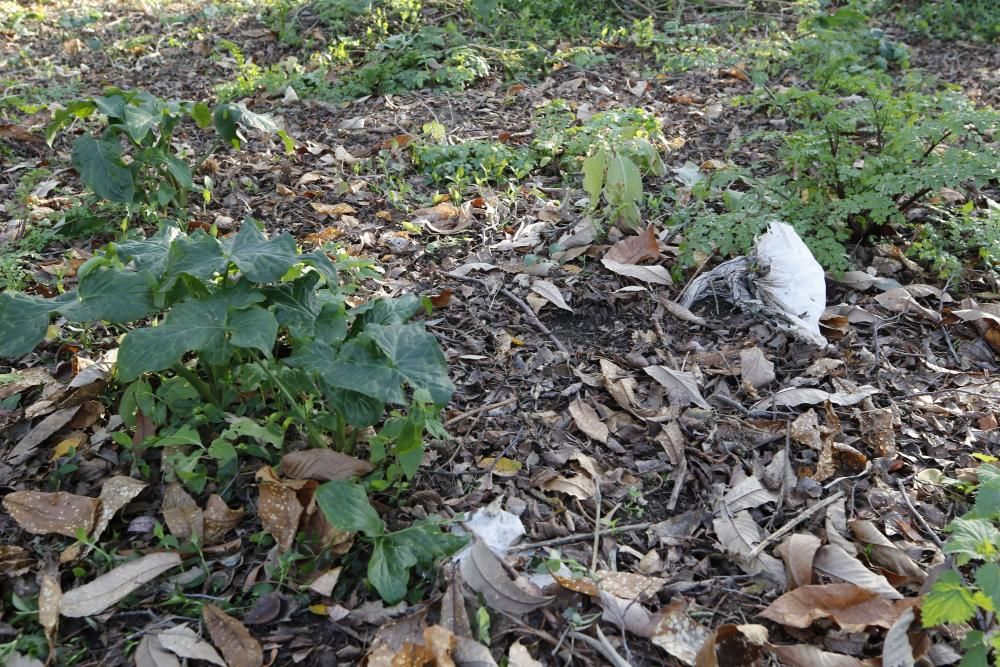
[[347, 332]]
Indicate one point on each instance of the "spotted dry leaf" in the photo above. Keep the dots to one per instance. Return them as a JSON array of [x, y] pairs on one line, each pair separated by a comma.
[[323, 465], [181, 513], [278, 507], [49, 595], [629, 585], [219, 519], [678, 634], [42, 513], [733, 646], [116, 493], [238, 646], [14, 560]]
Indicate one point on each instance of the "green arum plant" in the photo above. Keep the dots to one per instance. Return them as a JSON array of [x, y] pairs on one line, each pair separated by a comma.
[[156, 174], [973, 599], [244, 327], [394, 553]]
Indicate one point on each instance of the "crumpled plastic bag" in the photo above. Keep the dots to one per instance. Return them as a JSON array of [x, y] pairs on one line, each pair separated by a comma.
[[794, 282]]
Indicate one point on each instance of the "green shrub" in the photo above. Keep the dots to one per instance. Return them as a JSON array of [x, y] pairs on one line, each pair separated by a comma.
[[973, 598], [244, 327], [156, 174], [954, 19]]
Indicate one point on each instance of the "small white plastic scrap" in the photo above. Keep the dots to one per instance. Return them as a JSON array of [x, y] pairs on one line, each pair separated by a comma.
[[795, 282]]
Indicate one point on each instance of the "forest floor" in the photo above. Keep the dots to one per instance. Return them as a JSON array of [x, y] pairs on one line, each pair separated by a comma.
[[678, 472]]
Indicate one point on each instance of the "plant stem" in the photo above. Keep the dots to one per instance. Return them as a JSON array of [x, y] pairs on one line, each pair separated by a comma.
[[203, 388]]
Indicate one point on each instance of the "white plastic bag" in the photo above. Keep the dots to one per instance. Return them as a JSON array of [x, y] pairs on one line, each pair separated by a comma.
[[795, 283]]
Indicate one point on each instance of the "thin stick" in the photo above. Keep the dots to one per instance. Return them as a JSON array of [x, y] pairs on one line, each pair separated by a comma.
[[580, 537], [788, 527], [920, 519], [597, 526], [521, 304], [603, 647], [483, 408]]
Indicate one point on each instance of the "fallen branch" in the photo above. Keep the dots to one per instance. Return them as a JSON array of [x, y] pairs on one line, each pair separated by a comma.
[[483, 408], [580, 537]]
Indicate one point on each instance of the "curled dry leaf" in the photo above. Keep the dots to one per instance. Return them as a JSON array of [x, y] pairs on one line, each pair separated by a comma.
[[150, 653], [183, 642], [518, 656], [42, 513], [550, 293], [107, 589], [587, 420], [181, 513], [747, 494], [484, 573], [325, 583], [795, 396], [833, 561], [14, 560], [680, 312], [806, 655], [49, 595], [681, 385], [853, 608], [896, 649], [116, 493], [738, 534], [219, 519], [231, 637], [798, 551], [323, 465], [733, 646], [657, 275], [40, 433], [900, 300], [678, 634], [340, 208], [635, 249], [884, 552]]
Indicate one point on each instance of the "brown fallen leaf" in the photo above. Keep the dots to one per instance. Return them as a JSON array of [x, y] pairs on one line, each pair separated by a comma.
[[150, 653], [833, 561], [41, 513], [483, 573], [587, 420], [98, 595], [181, 513], [333, 209], [238, 646], [116, 493], [755, 369], [678, 634], [40, 433], [733, 646], [853, 608], [518, 656], [49, 595], [325, 583], [14, 560], [635, 249], [183, 642], [550, 293], [219, 519], [807, 655], [658, 275], [279, 508], [682, 386], [884, 552], [323, 465], [798, 551]]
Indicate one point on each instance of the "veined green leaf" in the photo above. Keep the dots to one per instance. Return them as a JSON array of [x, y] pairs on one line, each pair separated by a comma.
[[190, 326], [23, 321], [624, 180], [949, 601], [345, 505], [253, 327], [389, 568], [415, 353], [99, 162], [262, 260], [594, 169], [112, 294]]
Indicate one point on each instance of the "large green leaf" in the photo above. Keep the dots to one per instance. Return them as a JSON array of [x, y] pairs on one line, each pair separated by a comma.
[[150, 254], [253, 327], [112, 294], [112, 106], [972, 539], [140, 120], [296, 305], [99, 162], [358, 367], [23, 321], [63, 117], [386, 311], [177, 167], [260, 259], [624, 180], [428, 542], [949, 601], [226, 117], [389, 568], [358, 410], [190, 326], [345, 505], [198, 255], [594, 168], [988, 581], [415, 353]]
